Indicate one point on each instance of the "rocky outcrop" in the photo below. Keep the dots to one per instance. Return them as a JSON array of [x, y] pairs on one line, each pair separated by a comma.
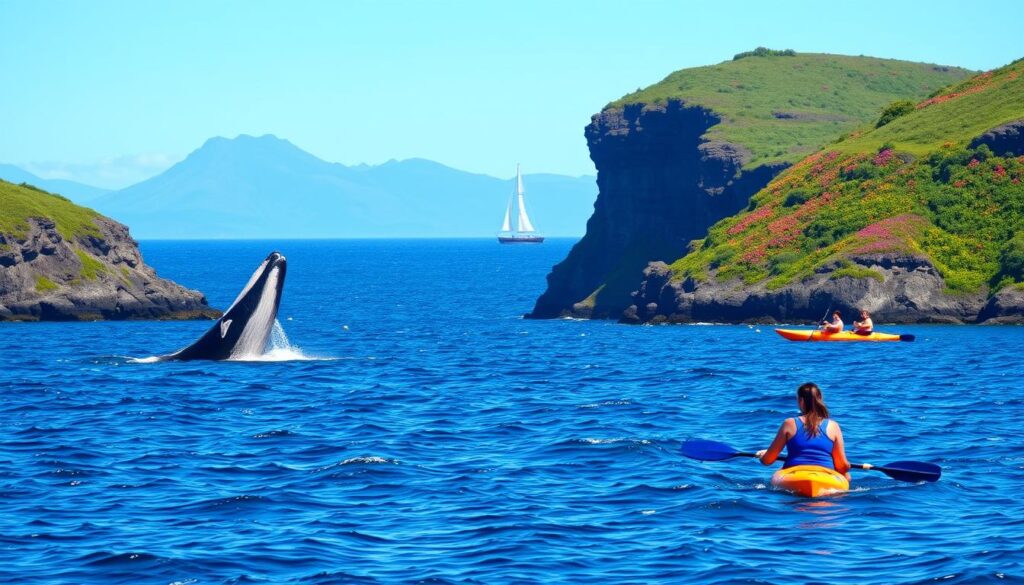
[[661, 185], [903, 289], [1006, 306], [1005, 140], [45, 277]]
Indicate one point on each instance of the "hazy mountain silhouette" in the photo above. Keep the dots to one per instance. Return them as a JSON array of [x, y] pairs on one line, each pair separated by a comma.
[[250, 187], [77, 192]]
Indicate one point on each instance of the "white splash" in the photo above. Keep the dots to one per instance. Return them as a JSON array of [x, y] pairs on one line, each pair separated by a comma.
[[280, 349]]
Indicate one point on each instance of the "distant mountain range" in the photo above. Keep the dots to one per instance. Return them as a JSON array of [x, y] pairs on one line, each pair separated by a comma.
[[266, 187], [79, 192]]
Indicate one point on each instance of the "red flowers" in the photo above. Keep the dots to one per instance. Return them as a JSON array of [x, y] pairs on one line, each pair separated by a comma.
[[889, 233], [973, 164], [755, 216], [960, 184], [999, 171], [882, 158], [978, 84]]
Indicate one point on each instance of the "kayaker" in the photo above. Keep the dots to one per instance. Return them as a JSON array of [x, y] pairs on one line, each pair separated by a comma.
[[865, 326], [836, 325], [811, 438]]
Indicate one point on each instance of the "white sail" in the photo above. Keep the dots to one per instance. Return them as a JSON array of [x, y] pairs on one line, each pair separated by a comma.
[[506, 226], [523, 224]]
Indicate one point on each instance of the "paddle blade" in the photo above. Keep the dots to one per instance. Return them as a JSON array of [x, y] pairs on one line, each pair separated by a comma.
[[911, 471], [707, 450], [907, 337]]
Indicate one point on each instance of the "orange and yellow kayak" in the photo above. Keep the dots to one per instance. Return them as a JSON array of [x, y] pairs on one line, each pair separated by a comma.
[[819, 335], [810, 480]]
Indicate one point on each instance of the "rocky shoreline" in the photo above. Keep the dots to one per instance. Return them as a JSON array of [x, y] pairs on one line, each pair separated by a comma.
[[97, 276], [900, 289]]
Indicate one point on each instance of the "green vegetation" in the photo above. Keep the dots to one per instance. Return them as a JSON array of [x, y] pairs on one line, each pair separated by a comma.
[[20, 202], [961, 208], [895, 110], [764, 52], [44, 284], [785, 107], [952, 116], [91, 267], [854, 271]]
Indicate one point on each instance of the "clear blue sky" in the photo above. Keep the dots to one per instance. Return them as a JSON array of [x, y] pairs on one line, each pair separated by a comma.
[[109, 92]]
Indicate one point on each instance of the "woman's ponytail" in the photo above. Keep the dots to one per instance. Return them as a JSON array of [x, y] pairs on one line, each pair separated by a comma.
[[814, 408]]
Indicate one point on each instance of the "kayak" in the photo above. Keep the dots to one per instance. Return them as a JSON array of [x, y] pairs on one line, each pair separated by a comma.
[[819, 335], [810, 480]]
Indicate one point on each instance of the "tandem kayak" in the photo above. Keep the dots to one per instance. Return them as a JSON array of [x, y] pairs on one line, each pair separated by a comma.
[[819, 335], [810, 480]]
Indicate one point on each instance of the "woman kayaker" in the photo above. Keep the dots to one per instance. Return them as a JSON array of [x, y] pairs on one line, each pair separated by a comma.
[[811, 438], [865, 326], [836, 325]]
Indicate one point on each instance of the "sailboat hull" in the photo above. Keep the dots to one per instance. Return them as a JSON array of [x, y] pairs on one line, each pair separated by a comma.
[[521, 239]]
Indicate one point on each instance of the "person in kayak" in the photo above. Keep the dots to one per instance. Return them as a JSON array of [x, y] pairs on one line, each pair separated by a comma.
[[811, 438], [836, 325], [865, 326]]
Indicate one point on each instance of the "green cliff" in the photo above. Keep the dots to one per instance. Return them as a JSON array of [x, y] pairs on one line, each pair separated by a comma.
[[918, 217], [61, 261], [678, 156]]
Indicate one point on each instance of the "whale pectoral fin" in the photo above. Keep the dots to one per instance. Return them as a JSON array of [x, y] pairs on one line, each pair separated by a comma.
[[224, 325]]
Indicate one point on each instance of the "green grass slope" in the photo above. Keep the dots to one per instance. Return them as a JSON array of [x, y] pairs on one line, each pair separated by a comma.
[[784, 107], [913, 185], [18, 203]]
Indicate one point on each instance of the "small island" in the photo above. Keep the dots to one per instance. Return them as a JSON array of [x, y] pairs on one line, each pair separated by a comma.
[[64, 262]]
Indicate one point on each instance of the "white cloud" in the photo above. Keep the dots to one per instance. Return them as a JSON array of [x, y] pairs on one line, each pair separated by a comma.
[[110, 173]]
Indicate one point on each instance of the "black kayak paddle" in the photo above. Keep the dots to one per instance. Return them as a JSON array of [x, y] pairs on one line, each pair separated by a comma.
[[912, 471]]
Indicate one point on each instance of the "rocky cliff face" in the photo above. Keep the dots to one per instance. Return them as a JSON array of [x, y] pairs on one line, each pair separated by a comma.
[[904, 289], [660, 186], [44, 276]]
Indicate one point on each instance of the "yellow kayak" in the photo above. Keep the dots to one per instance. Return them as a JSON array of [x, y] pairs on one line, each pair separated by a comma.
[[819, 335], [810, 480]]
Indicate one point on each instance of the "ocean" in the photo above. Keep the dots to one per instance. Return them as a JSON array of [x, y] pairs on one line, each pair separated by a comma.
[[410, 426]]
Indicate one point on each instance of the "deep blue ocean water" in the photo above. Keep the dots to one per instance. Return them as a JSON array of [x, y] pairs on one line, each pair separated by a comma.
[[448, 440]]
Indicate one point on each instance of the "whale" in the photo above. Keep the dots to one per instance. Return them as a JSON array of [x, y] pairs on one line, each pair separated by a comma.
[[243, 331]]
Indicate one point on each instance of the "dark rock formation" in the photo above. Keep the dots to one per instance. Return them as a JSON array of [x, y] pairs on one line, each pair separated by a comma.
[[45, 277], [661, 185], [1005, 140], [908, 290], [1006, 306]]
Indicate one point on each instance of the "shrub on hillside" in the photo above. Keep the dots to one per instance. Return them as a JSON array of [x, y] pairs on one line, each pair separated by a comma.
[[764, 52], [1011, 260], [893, 111], [796, 197]]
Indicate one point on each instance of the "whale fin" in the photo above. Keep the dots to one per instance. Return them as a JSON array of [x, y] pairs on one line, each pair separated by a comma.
[[246, 325]]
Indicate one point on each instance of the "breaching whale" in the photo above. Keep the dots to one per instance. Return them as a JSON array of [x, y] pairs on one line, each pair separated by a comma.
[[243, 330]]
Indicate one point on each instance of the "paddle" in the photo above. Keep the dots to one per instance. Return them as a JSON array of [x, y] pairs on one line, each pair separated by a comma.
[[912, 471]]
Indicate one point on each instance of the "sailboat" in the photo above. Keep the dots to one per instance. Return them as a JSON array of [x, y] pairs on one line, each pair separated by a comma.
[[524, 233]]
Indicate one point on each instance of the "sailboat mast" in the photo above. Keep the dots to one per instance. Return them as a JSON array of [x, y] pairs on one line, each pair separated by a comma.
[[519, 200]]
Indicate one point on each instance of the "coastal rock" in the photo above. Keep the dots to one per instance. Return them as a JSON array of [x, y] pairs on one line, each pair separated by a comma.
[[1005, 307], [1004, 140], [907, 289], [101, 275], [661, 185]]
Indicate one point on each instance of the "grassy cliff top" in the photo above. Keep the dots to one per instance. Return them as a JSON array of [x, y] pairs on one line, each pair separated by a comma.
[[784, 107], [912, 186], [18, 203]]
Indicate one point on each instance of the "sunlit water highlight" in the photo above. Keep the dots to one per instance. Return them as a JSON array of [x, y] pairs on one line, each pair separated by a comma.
[[448, 440]]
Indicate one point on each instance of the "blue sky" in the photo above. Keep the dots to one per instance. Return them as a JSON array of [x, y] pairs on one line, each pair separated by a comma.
[[113, 92]]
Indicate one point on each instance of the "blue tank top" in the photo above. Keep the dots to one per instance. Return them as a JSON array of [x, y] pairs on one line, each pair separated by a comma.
[[803, 449]]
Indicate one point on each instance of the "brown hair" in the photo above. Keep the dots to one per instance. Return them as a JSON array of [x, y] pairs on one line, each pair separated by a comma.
[[812, 406], [835, 313]]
